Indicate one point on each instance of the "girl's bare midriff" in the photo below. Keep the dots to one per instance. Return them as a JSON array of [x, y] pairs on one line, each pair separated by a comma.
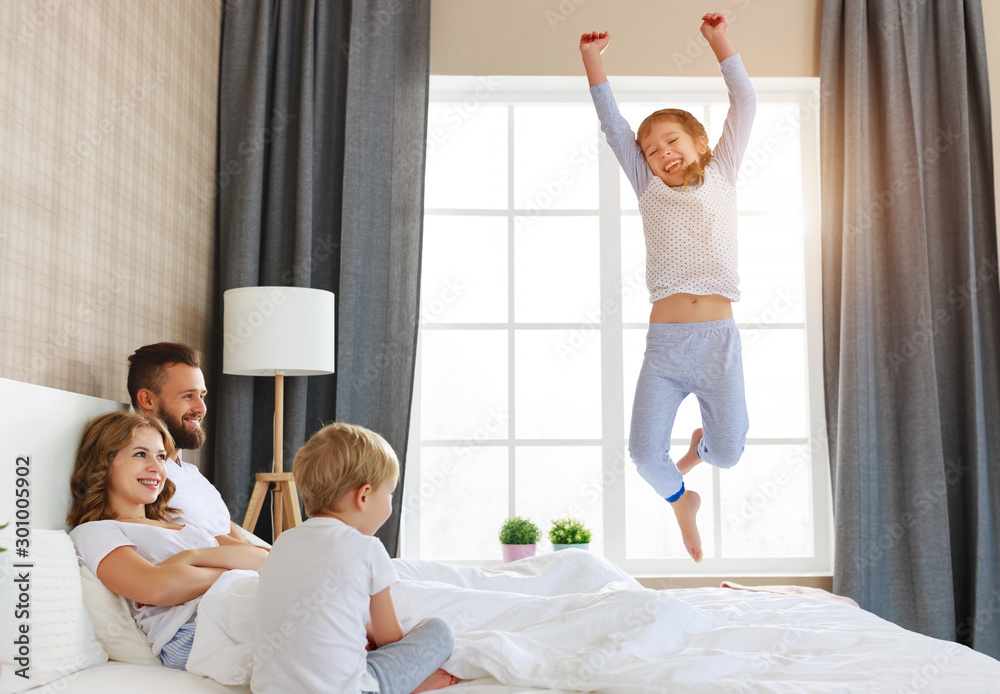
[[691, 308]]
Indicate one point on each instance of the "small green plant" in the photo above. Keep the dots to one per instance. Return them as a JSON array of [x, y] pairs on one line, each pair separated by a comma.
[[2, 549], [519, 531], [568, 531]]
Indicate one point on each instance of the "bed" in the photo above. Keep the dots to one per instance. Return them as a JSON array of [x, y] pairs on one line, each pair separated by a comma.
[[560, 622]]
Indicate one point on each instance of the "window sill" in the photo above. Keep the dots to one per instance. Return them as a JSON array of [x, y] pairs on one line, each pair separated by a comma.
[[671, 582]]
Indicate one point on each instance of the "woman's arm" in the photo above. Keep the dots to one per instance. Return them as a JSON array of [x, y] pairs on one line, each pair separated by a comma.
[[385, 625], [126, 573], [237, 555], [235, 537]]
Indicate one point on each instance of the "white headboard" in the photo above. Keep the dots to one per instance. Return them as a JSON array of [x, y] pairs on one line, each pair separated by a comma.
[[40, 429]]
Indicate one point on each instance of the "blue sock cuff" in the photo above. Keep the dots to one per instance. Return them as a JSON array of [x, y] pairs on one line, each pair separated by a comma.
[[676, 496]]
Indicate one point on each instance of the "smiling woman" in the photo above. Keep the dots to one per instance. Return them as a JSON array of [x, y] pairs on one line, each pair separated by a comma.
[[134, 542]]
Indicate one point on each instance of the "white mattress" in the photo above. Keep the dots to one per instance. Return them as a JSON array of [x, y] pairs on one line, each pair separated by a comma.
[[115, 678]]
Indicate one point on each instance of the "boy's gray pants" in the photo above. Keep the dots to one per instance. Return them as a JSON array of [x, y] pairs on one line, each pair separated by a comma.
[[400, 667]]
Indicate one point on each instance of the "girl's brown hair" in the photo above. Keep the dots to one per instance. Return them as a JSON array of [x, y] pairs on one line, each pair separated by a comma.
[[692, 126], [103, 438]]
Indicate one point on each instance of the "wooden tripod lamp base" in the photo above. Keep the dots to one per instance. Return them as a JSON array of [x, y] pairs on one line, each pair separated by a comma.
[[284, 503], [285, 499]]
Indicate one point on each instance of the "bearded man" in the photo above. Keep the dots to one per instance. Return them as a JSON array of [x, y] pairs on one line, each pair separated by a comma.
[[165, 381]]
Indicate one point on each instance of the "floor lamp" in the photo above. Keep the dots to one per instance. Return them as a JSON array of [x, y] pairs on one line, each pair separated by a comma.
[[277, 331]]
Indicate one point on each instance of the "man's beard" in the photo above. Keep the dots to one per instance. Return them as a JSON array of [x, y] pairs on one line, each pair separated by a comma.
[[185, 438]]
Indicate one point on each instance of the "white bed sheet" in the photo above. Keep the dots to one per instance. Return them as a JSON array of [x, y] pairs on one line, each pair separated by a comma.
[[614, 637], [571, 621]]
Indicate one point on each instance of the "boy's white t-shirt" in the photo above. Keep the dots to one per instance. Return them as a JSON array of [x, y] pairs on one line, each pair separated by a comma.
[[196, 498], [96, 539], [312, 606]]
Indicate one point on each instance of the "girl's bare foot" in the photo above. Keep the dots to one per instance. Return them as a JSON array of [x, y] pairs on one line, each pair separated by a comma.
[[690, 458], [686, 509], [438, 679]]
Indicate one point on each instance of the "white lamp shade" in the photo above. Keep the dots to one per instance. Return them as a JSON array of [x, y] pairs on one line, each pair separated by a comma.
[[278, 330]]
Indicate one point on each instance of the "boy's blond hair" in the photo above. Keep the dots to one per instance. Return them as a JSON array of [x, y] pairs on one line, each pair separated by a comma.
[[341, 458]]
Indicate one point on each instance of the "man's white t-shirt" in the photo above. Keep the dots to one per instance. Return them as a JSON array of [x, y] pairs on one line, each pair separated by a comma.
[[96, 539], [196, 498], [312, 606]]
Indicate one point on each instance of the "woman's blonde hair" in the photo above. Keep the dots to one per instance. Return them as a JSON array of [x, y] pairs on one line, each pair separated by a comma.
[[103, 438], [692, 126], [341, 458]]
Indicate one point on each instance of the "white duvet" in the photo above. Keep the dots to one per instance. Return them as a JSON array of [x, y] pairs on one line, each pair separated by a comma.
[[569, 620]]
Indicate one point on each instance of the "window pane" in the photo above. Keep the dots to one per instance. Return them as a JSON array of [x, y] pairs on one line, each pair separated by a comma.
[[557, 270], [774, 376], [541, 358], [771, 271], [463, 384], [770, 268], [767, 504], [559, 482], [466, 482], [466, 156], [463, 273], [635, 296], [775, 373], [773, 154], [688, 414], [555, 157], [557, 384], [651, 529]]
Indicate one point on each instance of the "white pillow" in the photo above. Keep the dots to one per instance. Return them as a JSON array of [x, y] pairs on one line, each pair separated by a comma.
[[41, 601], [114, 626]]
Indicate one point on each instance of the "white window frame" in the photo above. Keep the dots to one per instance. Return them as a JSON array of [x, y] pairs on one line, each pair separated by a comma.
[[520, 90]]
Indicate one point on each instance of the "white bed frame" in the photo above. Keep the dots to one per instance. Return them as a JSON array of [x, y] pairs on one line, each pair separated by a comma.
[[41, 429]]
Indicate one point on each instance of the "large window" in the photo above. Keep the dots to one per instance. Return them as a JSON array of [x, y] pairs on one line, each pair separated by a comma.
[[533, 316]]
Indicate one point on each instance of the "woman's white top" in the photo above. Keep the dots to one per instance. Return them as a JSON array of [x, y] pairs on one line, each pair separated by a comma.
[[96, 539]]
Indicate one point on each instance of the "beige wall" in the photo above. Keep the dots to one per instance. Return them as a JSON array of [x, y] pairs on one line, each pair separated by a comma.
[[779, 38], [107, 158]]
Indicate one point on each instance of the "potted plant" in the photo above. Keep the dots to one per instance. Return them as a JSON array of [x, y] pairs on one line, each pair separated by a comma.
[[569, 532], [518, 537]]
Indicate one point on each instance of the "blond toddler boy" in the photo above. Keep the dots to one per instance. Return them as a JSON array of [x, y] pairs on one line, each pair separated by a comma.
[[325, 616]]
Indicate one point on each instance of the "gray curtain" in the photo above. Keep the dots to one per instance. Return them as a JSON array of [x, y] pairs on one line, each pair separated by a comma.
[[912, 314], [322, 121]]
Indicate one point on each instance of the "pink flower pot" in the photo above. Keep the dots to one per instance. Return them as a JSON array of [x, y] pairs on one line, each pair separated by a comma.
[[515, 552]]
